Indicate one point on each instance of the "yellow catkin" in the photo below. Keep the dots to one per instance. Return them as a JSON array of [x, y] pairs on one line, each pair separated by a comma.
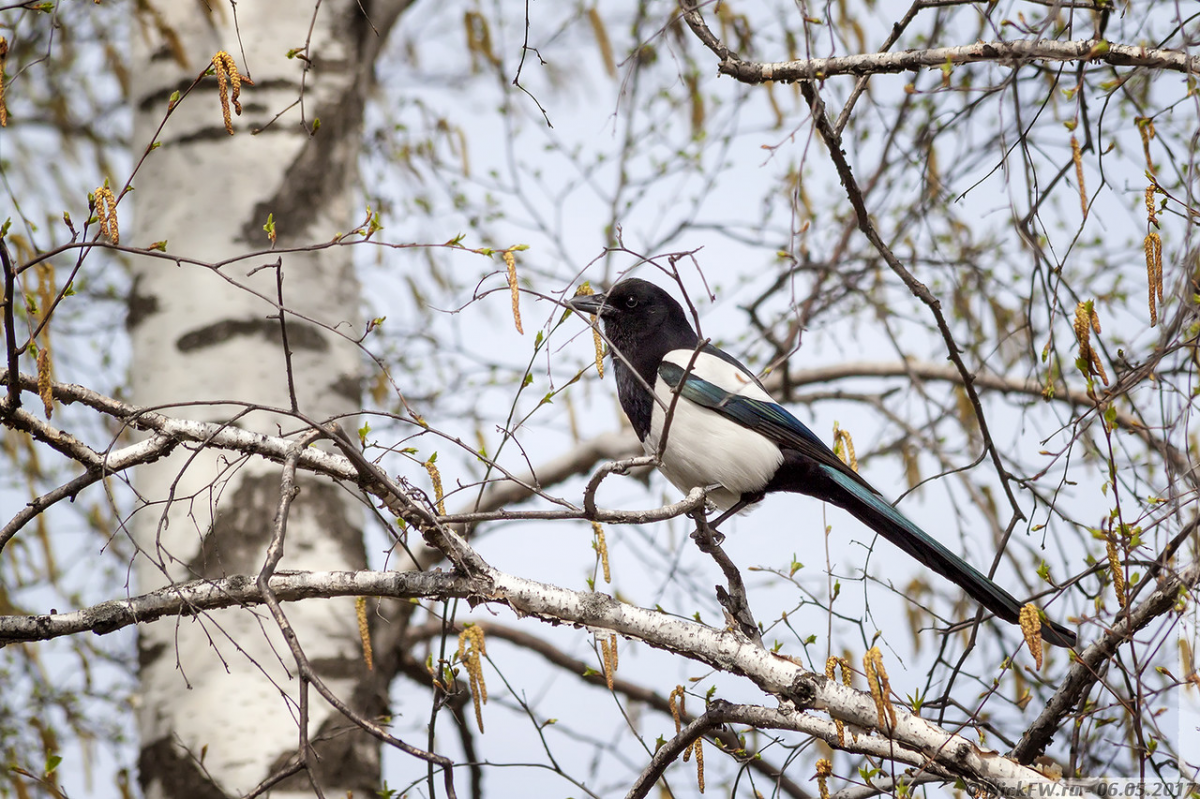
[[601, 550], [877, 680], [1082, 329], [471, 650], [608, 652], [1031, 626], [824, 770], [1153, 247], [1087, 320], [698, 747], [584, 291], [479, 38], [843, 445], [106, 214], [3, 60], [364, 631], [46, 294], [46, 291], [1187, 662], [1114, 565], [1158, 272], [1145, 127], [692, 81], [675, 703], [830, 666], [1077, 157], [602, 41], [227, 77], [510, 261], [436, 478], [45, 376]]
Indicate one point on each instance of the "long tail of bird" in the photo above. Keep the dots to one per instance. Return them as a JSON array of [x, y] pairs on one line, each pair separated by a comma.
[[872, 510]]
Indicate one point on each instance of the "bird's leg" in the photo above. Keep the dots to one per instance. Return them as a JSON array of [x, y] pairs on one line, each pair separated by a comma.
[[705, 535], [734, 600], [747, 499]]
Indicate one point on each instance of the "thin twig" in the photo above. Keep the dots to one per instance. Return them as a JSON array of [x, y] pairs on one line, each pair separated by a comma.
[[12, 400]]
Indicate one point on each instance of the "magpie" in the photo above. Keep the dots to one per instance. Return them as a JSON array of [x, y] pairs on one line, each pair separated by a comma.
[[727, 434]]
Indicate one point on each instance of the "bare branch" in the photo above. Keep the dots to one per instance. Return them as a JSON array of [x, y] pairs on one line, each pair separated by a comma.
[[188, 599], [13, 398], [1012, 53]]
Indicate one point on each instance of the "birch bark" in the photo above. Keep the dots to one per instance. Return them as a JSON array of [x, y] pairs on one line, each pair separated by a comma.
[[218, 711]]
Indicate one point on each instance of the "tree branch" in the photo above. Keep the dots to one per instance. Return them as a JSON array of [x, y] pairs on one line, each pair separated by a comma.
[[725, 650], [725, 738], [188, 599], [911, 739], [1010, 53], [1086, 670], [984, 380]]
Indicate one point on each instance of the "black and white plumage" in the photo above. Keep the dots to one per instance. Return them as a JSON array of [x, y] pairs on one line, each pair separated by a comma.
[[726, 431]]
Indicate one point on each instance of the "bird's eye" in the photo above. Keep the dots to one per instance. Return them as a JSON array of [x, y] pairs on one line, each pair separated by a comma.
[[631, 302]]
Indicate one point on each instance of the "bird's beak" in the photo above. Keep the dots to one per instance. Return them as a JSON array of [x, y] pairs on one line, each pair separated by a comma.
[[589, 304]]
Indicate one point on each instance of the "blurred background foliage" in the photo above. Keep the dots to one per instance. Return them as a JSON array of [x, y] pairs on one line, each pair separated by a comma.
[[1027, 197]]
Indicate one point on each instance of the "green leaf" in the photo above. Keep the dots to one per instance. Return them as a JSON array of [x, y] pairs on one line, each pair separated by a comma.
[[374, 224]]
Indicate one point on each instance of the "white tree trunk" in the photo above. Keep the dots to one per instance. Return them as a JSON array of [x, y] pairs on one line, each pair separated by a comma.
[[218, 702]]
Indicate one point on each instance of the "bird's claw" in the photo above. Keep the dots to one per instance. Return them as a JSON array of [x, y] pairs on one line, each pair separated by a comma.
[[705, 535]]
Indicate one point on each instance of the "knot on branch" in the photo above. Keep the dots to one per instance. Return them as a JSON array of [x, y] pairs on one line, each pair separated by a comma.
[[802, 693]]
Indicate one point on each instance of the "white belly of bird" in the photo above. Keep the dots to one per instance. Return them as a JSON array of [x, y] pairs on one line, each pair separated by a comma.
[[719, 452]]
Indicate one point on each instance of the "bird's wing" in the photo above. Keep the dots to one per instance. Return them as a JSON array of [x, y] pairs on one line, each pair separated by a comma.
[[845, 487], [758, 413]]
